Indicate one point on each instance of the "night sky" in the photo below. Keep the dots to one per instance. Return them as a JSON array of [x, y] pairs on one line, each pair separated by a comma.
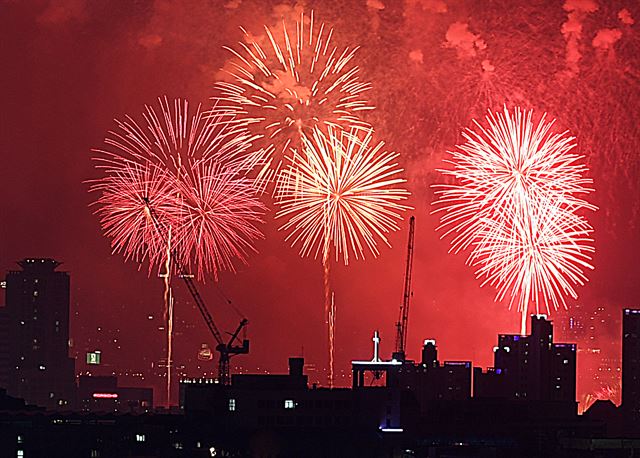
[[71, 67]]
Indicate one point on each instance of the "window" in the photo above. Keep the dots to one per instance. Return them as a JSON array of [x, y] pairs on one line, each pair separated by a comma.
[[289, 404], [232, 405], [20, 454], [19, 439], [95, 453], [140, 438]]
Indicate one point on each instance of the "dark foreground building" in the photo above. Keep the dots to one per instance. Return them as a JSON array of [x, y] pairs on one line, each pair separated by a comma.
[[631, 362], [394, 409], [280, 415], [531, 367], [400, 408], [36, 324]]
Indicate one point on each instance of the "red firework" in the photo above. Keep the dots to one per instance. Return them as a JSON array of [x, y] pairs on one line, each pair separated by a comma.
[[220, 212], [289, 81], [516, 207], [190, 172], [126, 192]]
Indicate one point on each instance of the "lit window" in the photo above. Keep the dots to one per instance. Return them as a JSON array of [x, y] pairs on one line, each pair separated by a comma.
[[232, 405], [289, 404], [19, 439], [42, 367], [20, 454], [140, 438], [95, 453]]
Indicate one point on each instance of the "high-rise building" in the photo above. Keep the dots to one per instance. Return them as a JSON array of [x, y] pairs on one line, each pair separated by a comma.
[[631, 362], [4, 348], [37, 314], [530, 367]]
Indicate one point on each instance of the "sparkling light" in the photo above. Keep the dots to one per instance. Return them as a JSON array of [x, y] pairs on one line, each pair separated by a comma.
[[516, 205], [190, 171], [342, 190], [286, 83]]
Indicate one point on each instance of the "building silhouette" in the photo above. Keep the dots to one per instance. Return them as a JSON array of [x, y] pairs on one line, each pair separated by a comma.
[[37, 334], [5, 366], [530, 367], [631, 362], [431, 380]]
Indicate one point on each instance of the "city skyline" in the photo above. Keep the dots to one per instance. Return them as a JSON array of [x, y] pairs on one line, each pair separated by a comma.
[[86, 66]]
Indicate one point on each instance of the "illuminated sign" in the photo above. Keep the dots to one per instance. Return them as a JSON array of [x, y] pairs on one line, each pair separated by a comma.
[[105, 395], [93, 357]]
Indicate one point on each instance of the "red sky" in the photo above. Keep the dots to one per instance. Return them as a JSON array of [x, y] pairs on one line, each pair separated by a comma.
[[70, 67]]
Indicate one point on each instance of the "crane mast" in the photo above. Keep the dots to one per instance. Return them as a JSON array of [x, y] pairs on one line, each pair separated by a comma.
[[226, 350], [402, 323]]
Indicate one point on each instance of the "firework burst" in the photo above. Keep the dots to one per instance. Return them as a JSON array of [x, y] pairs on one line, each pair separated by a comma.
[[220, 216], [517, 207], [287, 83], [126, 192], [190, 171], [342, 190]]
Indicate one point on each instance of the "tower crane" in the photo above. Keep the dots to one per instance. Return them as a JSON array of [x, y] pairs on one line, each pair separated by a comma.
[[402, 323], [227, 349]]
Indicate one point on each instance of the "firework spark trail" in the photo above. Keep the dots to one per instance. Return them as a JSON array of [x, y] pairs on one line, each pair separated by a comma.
[[288, 83], [169, 344], [168, 313], [343, 193], [516, 206], [332, 333], [328, 295]]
